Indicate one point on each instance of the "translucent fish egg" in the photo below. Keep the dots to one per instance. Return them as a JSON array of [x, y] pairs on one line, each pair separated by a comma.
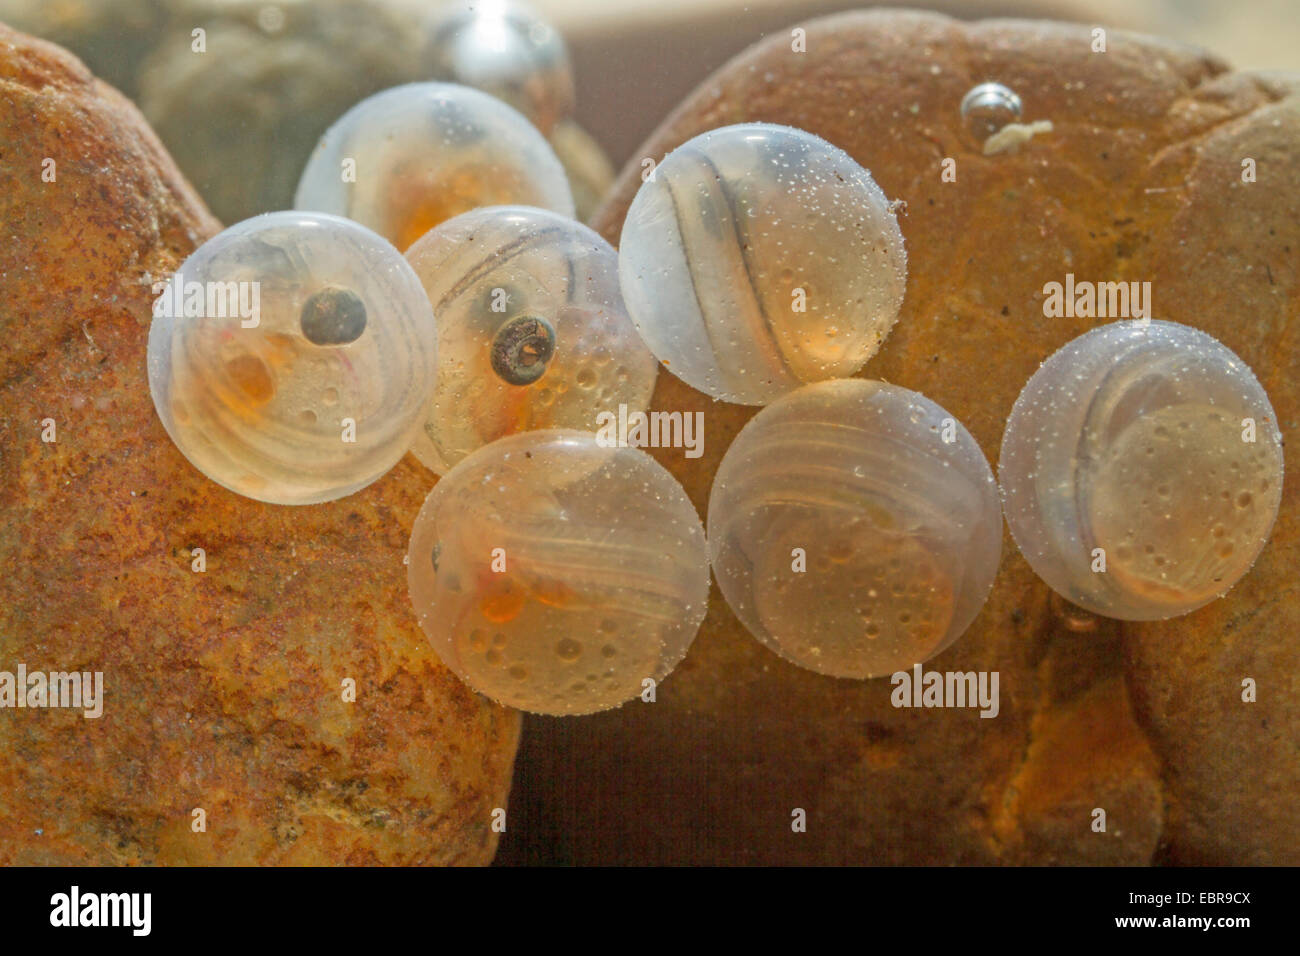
[[1141, 470], [987, 108], [558, 576], [756, 258], [854, 528], [291, 357], [409, 158], [532, 330], [505, 49]]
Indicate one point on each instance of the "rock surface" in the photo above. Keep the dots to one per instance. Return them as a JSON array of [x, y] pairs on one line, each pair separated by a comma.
[[222, 689], [1139, 180]]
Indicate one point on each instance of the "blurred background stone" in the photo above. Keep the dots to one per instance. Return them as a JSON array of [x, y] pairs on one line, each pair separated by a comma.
[[242, 118], [242, 115], [589, 169]]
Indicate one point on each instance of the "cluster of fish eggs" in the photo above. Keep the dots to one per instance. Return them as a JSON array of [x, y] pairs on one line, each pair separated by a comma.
[[434, 294]]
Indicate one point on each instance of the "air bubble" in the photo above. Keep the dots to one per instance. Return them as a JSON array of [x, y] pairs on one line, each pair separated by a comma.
[[987, 108]]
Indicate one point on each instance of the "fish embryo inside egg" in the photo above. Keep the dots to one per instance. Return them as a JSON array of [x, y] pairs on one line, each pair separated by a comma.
[[1141, 470], [854, 528]]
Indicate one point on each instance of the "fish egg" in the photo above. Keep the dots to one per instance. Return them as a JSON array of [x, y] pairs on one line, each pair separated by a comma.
[[756, 258], [406, 159], [291, 357], [527, 302], [503, 48], [1141, 470], [587, 561], [849, 536]]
